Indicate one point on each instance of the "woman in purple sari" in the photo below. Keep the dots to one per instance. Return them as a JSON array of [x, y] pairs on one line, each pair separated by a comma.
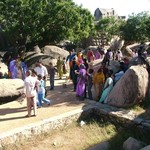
[[14, 68], [97, 54], [81, 85]]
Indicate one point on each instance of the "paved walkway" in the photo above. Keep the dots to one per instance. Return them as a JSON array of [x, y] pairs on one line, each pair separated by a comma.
[[12, 115]]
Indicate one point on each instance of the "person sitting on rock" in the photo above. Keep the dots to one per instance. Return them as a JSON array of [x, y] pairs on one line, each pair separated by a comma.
[[118, 75]]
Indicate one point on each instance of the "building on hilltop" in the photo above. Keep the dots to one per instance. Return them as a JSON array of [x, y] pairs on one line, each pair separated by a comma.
[[100, 39], [102, 13]]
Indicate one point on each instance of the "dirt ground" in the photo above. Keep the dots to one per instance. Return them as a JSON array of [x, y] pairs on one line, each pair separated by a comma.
[[73, 137], [12, 115]]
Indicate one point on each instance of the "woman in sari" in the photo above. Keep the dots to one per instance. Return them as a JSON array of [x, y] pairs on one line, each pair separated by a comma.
[[13, 67], [81, 85], [60, 68], [107, 87]]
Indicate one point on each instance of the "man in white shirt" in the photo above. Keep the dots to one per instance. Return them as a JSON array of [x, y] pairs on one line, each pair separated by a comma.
[[30, 84], [41, 70]]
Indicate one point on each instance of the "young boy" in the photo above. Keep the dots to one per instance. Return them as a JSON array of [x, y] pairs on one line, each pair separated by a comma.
[[41, 92]]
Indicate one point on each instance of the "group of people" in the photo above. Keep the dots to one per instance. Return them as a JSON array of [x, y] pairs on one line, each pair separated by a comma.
[[35, 88], [103, 79], [82, 76]]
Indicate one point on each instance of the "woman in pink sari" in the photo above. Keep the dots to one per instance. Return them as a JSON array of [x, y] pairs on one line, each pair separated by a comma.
[[90, 56]]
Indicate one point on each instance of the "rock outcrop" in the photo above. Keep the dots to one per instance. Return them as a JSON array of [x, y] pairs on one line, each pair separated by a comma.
[[130, 89], [133, 144], [53, 52], [10, 89], [146, 148], [32, 57], [101, 146]]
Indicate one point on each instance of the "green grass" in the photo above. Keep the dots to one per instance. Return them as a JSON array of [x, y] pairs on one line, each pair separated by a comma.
[[142, 110], [75, 137]]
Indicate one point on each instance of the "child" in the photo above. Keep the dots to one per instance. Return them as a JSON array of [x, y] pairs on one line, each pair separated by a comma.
[[41, 92], [90, 82]]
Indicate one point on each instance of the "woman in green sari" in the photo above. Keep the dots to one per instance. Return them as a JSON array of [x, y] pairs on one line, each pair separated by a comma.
[[107, 87]]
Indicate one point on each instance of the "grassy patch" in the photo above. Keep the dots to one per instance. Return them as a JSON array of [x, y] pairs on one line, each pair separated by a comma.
[[76, 137], [142, 110]]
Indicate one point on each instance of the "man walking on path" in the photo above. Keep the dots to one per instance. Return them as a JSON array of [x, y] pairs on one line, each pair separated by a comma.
[[30, 84]]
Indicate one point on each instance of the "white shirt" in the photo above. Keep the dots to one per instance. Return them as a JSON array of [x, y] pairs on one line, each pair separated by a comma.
[[41, 88], [111, 55], [41, 70], [30, 84]]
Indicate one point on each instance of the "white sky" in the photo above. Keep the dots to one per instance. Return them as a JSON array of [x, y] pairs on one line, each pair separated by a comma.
[[122, 7]]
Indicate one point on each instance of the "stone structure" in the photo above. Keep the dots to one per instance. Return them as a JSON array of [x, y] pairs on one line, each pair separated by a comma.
[[103, 12]]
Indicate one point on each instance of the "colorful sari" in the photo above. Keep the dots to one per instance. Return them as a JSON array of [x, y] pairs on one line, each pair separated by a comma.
[[107, 90], [81, 85]]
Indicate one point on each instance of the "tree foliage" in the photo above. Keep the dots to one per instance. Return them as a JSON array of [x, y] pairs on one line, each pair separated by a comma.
[[107, 28], [47, 21], [136, 28]]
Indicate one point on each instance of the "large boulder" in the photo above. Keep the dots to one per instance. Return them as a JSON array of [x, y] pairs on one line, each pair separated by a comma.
[[133, 144], [146, 148], [32, 57], [53, 52], [10, 89], [130, 89]]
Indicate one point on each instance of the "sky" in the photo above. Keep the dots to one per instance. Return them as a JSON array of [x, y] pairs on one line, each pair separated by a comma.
[[122, 7]]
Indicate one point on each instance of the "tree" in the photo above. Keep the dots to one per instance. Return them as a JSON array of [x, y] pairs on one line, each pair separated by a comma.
[[136, 28], [45, 21], [107, 28]]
